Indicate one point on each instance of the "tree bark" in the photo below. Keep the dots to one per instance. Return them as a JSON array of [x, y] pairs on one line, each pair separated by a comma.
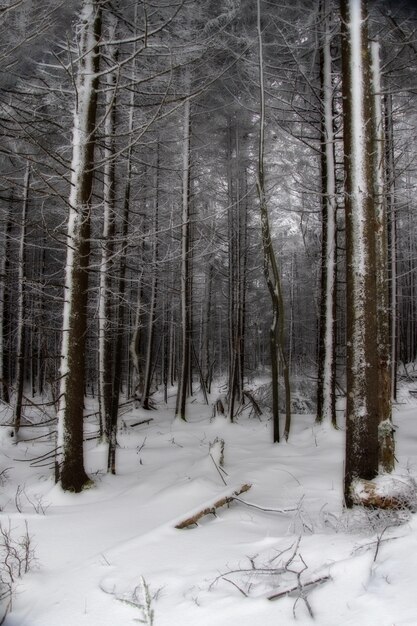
[[5, 311], [326, 392], [183, 383], [271, 271], [385, 429], [392, 239], [150, 348], [105, 290], [362, 379], [21, 305], [70, 415]]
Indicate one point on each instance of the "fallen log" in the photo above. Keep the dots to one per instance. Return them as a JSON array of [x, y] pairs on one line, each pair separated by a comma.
[[191, 521], [385, 492]]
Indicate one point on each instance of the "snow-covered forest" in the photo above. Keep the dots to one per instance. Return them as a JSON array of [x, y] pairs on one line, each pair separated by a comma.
[[208, 312]]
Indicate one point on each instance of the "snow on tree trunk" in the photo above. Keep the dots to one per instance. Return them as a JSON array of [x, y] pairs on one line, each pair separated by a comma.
[[5, 310], [70, 458], [21, 326], [105, 292], [386, 432], [326, 397], [362, 379]]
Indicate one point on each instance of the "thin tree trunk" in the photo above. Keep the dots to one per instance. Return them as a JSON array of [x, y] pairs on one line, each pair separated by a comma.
[[270, 268], [5, 311], [152, 308], [183, 383], [117, 380], [326, 396], [106, 265], [21, 304]]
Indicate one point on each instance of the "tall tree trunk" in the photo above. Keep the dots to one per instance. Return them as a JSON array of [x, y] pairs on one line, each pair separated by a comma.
[[5, 311], [362, 372], [183, 383], [392, 239], [326, 396], [105, 290], [150, 354], [70, 415], [21, 304], [270, 268], [118, 352], [385, 430]]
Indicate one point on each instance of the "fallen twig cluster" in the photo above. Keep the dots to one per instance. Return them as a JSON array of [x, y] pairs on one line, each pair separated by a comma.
[[288, 574]]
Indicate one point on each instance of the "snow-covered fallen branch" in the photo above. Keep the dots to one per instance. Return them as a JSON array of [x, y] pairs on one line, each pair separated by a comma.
[[191, 521]]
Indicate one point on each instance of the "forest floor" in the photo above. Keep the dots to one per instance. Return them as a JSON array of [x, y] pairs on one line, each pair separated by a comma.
[[112, 554]]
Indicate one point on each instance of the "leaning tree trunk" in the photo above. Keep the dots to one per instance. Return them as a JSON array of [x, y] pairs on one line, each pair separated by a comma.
[[70, 458], [326, 391], [385, 430], [362, 378]]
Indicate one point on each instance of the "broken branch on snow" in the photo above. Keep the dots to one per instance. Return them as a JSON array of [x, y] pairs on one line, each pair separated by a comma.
[[191, 521]]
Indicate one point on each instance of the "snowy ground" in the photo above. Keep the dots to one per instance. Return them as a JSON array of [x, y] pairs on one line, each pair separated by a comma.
[[99, 553]]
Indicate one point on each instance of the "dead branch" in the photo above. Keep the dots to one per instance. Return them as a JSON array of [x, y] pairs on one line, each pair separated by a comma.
[[308, 585], [267, 510], [256, 408], [218, 469], [141, 422], [191, 521]]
